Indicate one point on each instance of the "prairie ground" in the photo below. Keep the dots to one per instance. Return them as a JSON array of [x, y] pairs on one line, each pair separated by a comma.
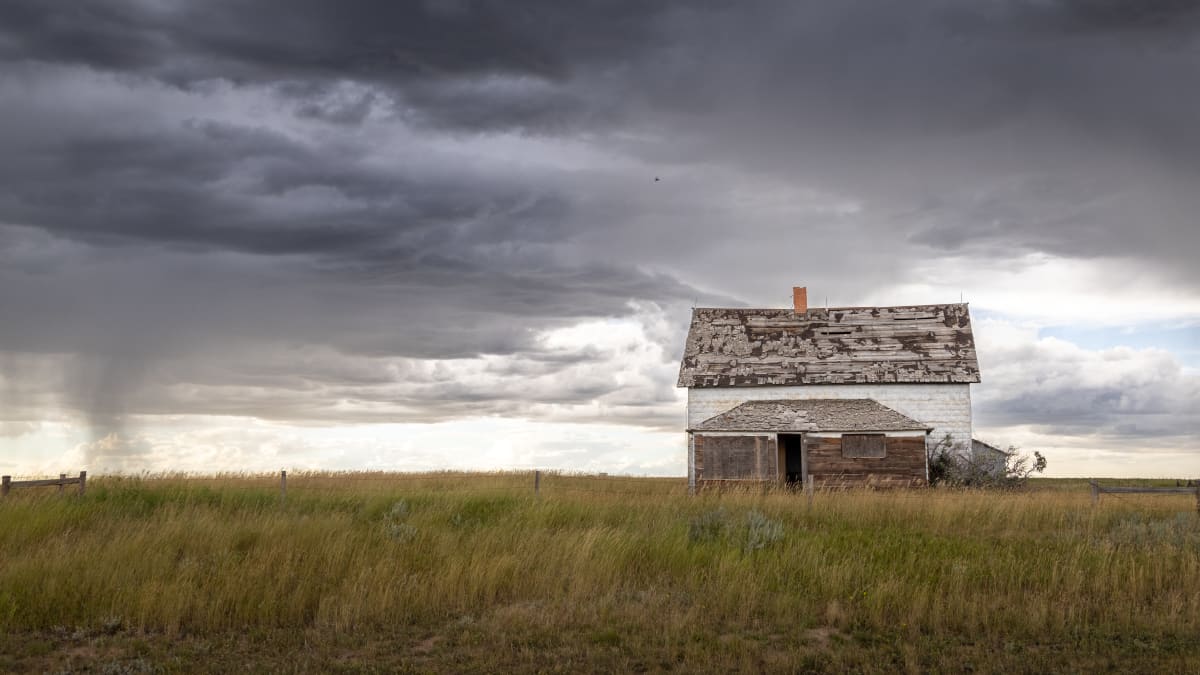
[[460, 572]]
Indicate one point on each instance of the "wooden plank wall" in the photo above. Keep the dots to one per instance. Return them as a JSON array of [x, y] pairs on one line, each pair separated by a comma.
[[736, 457], [904, 463]]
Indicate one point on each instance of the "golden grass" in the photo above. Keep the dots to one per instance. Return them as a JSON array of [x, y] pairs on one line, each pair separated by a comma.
[[473, 571]]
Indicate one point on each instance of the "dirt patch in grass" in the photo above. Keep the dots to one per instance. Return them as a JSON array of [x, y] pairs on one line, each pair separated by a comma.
[[427, 645], [821, 636]]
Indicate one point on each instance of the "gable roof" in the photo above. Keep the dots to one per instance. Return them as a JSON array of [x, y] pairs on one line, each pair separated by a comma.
[[838, 345], [819, 414]]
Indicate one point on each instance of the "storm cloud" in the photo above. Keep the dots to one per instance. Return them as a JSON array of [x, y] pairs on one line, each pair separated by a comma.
[[326, 213]]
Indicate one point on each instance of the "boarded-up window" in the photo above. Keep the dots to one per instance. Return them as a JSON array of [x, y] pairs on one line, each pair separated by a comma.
[[735, 457], [863, 445]]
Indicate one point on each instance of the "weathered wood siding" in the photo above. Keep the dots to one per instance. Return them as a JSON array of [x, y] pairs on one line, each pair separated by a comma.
[[736, 457], [904, 463]]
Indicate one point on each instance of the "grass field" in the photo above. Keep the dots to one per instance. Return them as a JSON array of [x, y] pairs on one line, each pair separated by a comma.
[[474, 573]]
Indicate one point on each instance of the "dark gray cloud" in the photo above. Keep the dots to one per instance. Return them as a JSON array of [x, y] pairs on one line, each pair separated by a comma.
[[1008, 126], [309, 41], [273, 208]]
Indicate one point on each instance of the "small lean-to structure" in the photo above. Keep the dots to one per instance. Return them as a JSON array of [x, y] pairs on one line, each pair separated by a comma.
[[989, 458], [846, 395]]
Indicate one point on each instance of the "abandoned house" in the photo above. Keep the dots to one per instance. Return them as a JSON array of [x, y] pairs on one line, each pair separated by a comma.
[[846, 395]]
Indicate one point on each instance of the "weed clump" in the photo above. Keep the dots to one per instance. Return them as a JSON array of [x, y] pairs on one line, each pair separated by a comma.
[[396, 522], [761, 531], [753, 533], [709, 526]]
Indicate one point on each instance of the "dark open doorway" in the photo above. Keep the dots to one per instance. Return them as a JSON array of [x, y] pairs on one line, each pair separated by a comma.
[[791, 447]]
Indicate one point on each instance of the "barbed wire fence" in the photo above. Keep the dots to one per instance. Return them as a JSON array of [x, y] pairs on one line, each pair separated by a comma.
[[533, 482]]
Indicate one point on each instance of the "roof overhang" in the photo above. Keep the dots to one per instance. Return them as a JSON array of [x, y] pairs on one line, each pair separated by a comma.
[[856, 415]]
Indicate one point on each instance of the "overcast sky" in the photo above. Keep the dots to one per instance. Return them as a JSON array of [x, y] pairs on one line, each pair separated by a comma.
[[403, 235]]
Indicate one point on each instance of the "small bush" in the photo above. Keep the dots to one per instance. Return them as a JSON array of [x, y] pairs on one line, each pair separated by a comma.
[[952, 465], [761, 531], [399, 511], [396, 525], [753, 533]]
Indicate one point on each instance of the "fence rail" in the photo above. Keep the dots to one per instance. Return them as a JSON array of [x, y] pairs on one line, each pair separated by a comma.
[[1192, 488], [7, 483]]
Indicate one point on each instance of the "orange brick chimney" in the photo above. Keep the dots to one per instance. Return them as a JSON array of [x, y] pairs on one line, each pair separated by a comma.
[[800, 298]]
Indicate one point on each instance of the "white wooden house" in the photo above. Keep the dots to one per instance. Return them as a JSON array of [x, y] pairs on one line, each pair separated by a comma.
[[844, 394]]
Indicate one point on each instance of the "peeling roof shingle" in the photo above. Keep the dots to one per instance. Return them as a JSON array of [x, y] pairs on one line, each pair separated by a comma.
[[820, 414], [842, 345]]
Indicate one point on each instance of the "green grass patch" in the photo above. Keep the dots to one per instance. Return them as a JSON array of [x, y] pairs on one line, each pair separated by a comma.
[[379, 572]]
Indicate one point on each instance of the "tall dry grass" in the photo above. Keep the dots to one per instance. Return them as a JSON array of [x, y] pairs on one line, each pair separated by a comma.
[[631, 562]]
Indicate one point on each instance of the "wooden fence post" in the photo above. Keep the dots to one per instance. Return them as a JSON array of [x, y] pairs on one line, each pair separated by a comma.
[[1095, 492], [282, 487], [1198, 499], [810, 488], [62, 482], [537, 482], [5, 485], [82, 482]]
